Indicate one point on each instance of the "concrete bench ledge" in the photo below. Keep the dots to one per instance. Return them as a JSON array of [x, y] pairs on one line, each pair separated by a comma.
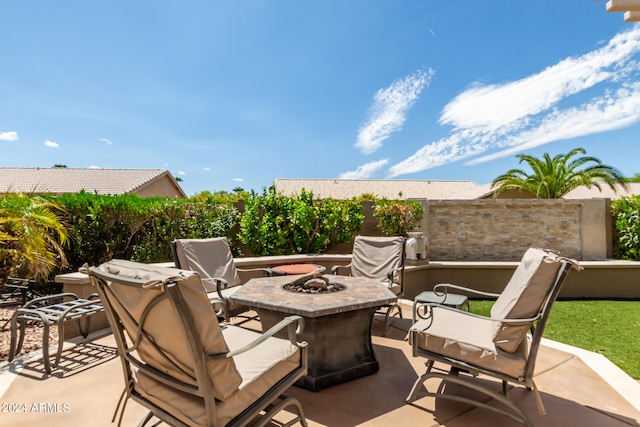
[[613, 279]]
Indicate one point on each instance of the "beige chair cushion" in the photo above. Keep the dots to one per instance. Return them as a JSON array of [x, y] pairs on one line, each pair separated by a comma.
[[260, 368], [458, 335], [374, 257], [209, 257], [163, 325], [524, 295]]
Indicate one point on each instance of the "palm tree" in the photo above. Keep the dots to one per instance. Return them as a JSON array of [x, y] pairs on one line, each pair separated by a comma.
[[31, 236], [552, 178]]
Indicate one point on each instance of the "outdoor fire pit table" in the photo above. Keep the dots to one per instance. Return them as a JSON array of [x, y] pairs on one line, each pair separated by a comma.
[[337, 324]]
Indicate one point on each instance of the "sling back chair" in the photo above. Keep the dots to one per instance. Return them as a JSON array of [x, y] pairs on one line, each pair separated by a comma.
[[178, 361], [496, 346], [213, 260], [379, 258]]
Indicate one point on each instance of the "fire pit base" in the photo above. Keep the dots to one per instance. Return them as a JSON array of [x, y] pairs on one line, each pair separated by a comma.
[[337, 324], [340, 347]]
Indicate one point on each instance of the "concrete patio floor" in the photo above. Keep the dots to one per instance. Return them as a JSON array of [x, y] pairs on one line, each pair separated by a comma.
[[577, 387]]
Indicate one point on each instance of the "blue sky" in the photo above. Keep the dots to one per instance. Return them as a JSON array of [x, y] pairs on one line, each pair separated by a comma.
[[229, 94]]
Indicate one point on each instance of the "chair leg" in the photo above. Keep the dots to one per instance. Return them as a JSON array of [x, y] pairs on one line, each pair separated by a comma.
[[61, 340], [16, 344], [416, 386], [284, 403], [518, 415], [145, 420], [388, 316], [45, 347]]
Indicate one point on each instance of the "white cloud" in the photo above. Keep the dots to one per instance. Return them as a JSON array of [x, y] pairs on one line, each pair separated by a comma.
[[602, 114], [51, 144], [94, 167], [182, 173], [534, 110], [206, 168], [105, 140], [389, 109], [8, 136], [364, 171], [238, 179]]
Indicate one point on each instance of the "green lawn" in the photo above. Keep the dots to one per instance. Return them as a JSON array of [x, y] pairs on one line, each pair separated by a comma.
[[611, 328]]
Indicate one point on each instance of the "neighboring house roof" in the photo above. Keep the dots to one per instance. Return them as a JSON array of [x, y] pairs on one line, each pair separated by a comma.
[[383, 188], [633, 188], [478, 192], [484, 191], [145, 182]]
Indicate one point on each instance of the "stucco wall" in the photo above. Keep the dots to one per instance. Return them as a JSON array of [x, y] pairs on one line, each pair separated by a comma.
[[161, 187]]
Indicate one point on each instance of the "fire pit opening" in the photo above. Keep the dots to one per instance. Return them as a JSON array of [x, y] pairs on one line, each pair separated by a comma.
[[315, 285]]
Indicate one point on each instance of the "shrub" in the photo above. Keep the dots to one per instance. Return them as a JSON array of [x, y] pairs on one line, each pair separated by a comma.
[[626, 214], [32, 236], [275, 224], [398, 217], [183, 219], [136, 228]]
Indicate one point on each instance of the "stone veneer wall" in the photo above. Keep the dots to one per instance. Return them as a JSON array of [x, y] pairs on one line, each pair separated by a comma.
[[502, 229]]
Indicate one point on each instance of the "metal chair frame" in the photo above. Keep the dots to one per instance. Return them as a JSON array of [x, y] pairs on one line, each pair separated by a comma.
[[387, 310], [271, 402], [221, 284], [458, 367], [41, 310], [18, 291]]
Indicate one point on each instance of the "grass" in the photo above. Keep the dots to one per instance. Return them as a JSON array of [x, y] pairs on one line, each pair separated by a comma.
[[611, 328]]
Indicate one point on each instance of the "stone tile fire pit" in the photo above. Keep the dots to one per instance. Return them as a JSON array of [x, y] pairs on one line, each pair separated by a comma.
[[337, 324]]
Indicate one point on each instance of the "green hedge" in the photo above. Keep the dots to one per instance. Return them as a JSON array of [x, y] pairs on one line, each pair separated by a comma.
[[136, 228], [275, 224], [141, 229]]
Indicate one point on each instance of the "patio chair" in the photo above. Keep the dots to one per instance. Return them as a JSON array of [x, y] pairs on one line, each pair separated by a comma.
[[213, 260], [184, 367], [17, 291], [496, 346], [379, 258], [57, 309]]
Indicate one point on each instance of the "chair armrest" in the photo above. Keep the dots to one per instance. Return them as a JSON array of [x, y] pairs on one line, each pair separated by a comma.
[[466, 313], [266, 271], [294, 325], [18, 283], [446, 286], [40, 300], [220, 283], [336, 268], [16, 287], [391, 273], [19, 280]]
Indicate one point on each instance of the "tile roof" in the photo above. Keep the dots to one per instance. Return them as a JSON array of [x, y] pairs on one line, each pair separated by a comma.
[[382, 188], [606, 192], [485, 191], [422, 189], [71, 180], [477, 192]]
